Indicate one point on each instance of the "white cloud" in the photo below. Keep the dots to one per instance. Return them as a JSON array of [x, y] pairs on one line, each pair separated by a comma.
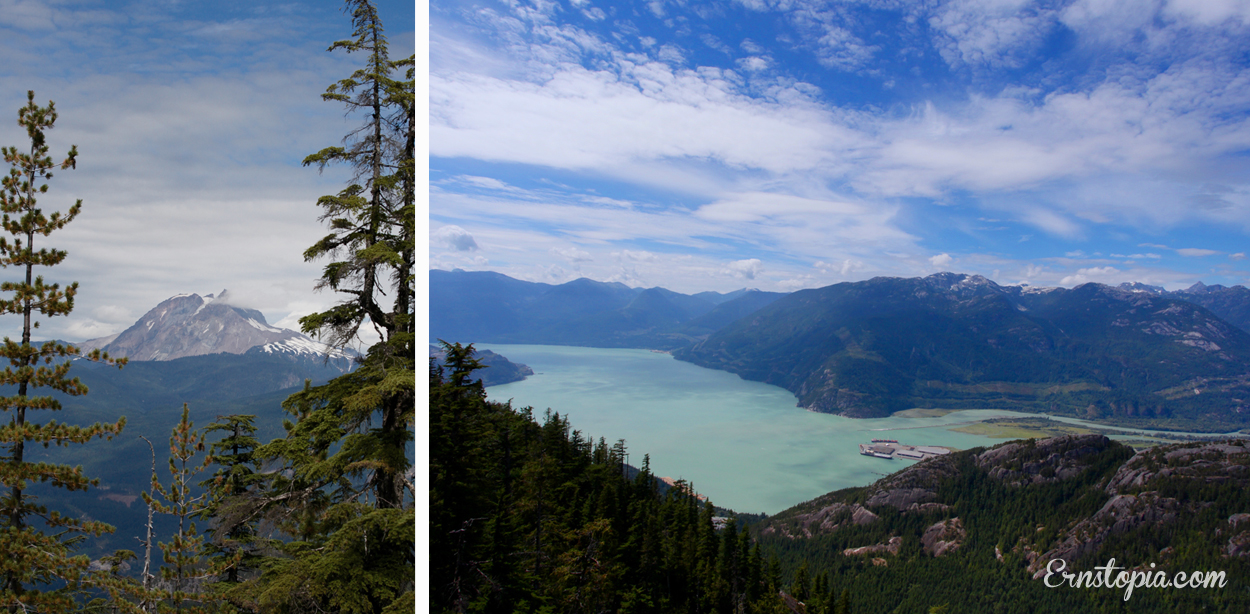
[[454, 237], [636, 256], [1193, 252], [572, 254], [1051, 222], [648, 113], [1105, 274], [990, 32], [489, 183], [687, 129], [844, 269], [941, 260], [826, 33], [753, 63], [745, 269], [763, 164], [1237, 256], [751, 47], [1209, 12], [799, 283], [189, 151]]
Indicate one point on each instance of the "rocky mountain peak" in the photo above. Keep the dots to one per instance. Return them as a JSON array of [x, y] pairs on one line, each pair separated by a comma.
[[1138, 286], [193, 325], [961, 285]]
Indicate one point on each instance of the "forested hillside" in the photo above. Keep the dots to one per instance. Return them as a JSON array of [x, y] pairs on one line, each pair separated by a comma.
[[976, 531], [528, 515]]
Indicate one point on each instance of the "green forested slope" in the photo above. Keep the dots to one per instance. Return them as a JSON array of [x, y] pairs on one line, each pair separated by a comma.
[[1005, 512], [527, 515]]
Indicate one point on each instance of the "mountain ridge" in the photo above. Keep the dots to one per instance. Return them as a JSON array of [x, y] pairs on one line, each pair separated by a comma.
[[870, 348], [484, 306]]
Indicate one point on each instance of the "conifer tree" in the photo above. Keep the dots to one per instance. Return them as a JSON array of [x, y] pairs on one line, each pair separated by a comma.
[[372, 249], [236, 539], [182, 552], [35, 542], [345, 494]]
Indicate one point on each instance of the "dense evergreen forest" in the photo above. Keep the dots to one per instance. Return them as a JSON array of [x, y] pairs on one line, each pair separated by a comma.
[[528, 515]]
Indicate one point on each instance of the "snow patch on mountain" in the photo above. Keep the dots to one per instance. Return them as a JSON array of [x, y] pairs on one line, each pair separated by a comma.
[[264, 327], [304, 346]]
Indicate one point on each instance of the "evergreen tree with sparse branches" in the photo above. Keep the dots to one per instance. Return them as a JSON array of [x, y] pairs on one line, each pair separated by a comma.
[[183, 570], [37, 571], [345, 494]]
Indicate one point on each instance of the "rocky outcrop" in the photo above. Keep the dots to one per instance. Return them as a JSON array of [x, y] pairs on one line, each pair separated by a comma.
[[891, 547], [902, 498], [944, 537], [1044, 461], [1222, 462], [1119, 515], [1136, 502], [927, 508], [825, 520], [1157, 492], [1239, 544], [913, 487]]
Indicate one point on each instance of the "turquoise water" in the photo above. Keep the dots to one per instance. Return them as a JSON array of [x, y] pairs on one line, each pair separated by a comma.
[[743, 444]]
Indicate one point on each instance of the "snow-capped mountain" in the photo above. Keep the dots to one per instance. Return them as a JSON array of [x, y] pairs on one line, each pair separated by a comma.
[[193, 325]]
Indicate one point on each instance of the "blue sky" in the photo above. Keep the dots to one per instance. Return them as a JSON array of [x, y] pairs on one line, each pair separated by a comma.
[[795, 144], [191, 119]]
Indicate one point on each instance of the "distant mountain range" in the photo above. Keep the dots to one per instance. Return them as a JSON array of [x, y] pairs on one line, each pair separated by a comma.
[[870, 348], [1134, 353], [202, 350], [471, 307]]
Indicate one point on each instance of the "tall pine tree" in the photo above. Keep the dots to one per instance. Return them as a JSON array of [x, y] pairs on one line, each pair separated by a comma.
[[345, 495], [35, 542]]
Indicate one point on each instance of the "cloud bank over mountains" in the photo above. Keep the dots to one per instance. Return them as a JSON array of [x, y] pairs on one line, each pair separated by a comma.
[[191, 120], [1000, 135]]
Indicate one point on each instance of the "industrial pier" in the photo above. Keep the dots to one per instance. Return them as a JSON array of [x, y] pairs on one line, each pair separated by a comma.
[[891, 448]]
